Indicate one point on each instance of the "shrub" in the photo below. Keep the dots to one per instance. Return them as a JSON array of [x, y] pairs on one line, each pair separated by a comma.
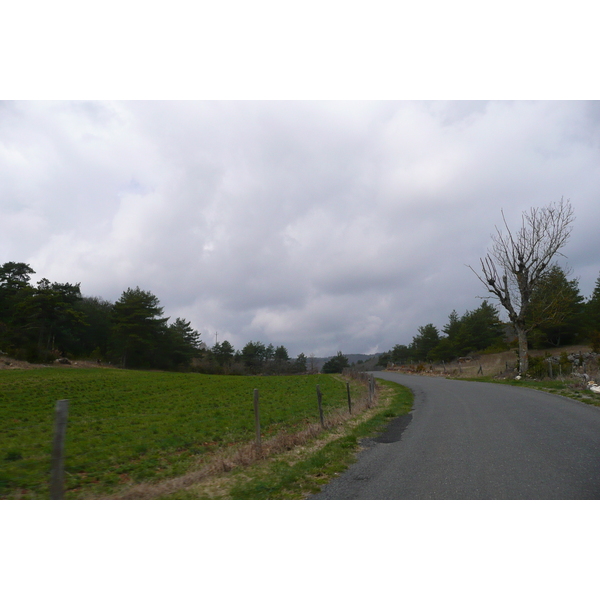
[[565, 364], [595, 341], [336, 364], [538, 366]]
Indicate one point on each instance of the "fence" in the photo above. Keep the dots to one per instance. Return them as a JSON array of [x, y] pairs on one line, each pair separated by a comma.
[[60, 428], [364, 377]]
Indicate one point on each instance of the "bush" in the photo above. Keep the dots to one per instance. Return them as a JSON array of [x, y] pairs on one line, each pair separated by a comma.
[[538, 366], [566, 366], [595, 341], [499, 346], [336, 364]]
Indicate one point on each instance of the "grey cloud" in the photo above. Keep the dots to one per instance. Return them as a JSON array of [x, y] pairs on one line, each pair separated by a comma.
[[318, 225]]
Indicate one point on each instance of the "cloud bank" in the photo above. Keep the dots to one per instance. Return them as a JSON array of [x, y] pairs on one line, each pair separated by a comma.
[[322, 226]]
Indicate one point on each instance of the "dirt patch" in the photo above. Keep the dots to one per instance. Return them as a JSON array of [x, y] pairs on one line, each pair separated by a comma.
[[8, 363]]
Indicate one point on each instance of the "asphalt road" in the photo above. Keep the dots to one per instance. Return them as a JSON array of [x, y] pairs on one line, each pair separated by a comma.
[[469, 440]]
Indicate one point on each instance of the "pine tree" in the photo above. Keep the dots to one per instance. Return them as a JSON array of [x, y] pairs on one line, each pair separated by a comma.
[[592, 318], [556, 310], [336, 364], [425, 341], [138, 328]]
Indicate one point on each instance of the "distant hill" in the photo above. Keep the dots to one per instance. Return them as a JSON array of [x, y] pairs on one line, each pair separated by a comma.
[[365, 362]]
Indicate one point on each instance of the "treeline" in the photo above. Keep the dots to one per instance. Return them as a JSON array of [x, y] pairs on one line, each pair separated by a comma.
[[558, 315], [41, 323], [254, 358]]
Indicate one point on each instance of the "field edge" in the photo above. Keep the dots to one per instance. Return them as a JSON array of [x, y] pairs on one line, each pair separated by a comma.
[[301, 472]]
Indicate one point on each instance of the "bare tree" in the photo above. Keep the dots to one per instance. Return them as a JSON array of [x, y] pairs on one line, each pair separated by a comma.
[[511, 270]]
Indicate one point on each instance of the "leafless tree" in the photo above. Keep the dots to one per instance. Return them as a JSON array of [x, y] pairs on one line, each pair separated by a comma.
[[512, 269]]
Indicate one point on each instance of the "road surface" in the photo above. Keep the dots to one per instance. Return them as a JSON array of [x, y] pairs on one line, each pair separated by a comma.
[[470, 440]]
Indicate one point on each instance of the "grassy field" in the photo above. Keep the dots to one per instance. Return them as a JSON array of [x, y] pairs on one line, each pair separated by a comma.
[[133, 426]]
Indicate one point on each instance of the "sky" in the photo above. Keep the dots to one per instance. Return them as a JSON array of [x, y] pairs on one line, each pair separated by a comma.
[[316, 176], [319, 225]]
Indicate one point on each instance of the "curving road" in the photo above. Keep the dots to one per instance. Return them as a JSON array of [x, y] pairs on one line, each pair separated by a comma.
[[469, 440]]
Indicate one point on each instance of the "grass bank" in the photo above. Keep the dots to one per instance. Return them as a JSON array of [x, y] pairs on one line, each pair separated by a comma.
[[303, 470], [566, 387]]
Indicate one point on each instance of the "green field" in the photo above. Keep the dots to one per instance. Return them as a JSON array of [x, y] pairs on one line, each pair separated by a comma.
[[133, 426]]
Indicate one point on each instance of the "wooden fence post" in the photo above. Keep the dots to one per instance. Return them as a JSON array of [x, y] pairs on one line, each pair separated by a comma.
[[57, 477], [257, 422], [319, 400], [349, 400]]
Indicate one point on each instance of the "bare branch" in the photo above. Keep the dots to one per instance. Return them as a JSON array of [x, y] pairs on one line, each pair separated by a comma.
[[513, 267]]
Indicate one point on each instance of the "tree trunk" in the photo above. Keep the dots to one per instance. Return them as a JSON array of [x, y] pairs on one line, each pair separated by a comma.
[[523, 349]]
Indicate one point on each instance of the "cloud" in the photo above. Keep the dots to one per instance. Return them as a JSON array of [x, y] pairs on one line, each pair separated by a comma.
[[322, 226]]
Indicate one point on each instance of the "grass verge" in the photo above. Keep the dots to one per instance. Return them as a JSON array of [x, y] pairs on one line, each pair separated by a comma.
[[302, 471], [566, 388]]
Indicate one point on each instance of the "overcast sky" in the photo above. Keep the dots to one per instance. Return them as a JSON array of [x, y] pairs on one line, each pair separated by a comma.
[[322, 226]]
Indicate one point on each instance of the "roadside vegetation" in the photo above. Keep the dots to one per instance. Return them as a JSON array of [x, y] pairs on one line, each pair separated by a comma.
[[569, 387], [303, 470], [558, 317], [544, 306]]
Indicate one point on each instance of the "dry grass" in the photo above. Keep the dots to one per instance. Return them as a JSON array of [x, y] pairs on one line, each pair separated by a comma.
[[225, 460], [218, 487]]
